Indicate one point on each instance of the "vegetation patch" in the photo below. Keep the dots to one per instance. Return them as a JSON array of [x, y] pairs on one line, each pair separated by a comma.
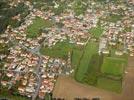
[[109, 84], [113, 66], [59, 50], [5, 93], [93, 71], [80, 7], [90, 49], [38, 24], [96, 31], [114, 18]]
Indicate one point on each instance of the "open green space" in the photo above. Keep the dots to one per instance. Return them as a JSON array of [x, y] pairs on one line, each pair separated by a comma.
[[96, 31], [38, 24], [76, 55], [90, 49], [113, 66], [109, 84], [60, 50], [113, 18], [93, 71], [79, 7], [100, 70]]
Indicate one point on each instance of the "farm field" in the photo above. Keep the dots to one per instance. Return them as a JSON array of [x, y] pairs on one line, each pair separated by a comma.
[[113, 66], [109, 84], [90, 49], [94, 68]]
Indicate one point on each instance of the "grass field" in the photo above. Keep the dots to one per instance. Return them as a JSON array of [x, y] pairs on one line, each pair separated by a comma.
[[76, 55], [93, 71], [60, 50], [38, 23], [96, 31], [90, 49], [109, 84], [99, 70], [113, 66], [113, 18], [79, 7]]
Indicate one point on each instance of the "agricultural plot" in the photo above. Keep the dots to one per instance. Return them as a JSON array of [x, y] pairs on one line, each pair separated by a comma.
[[89, 50], [76, 55], [38, 24], [100, 70], [113, 66], [109, 84]]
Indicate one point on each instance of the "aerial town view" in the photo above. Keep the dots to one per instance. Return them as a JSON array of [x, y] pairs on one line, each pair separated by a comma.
[[66, 49]]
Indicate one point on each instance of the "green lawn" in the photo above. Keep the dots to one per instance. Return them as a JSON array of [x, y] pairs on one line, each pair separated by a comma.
[[96, 31], [60, 50], [38, 23], [113, 66], [109, 84], [89, 50]]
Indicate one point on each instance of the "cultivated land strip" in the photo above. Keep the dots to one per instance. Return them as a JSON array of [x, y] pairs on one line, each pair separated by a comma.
[[68, 88]]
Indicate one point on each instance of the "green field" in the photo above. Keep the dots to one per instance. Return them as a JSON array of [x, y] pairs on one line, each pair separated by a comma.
[[113, 18], [96, 31], [109, 84], [100, 70], [79, 7], [93, 71], [113, 66], [38, 23], [59, 50], [76, 55], [90, 49]]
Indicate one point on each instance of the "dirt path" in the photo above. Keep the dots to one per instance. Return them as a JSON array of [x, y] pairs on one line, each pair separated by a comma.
[[128, 85], [68, 88]]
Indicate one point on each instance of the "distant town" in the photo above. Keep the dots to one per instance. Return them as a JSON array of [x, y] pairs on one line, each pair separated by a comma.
[[43, 41]]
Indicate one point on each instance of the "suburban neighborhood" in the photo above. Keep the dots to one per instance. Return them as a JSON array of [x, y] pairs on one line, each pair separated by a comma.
[[90, 41]]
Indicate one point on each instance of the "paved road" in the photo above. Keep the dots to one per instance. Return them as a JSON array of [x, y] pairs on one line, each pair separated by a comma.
[[34, 51], [39, 80]]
